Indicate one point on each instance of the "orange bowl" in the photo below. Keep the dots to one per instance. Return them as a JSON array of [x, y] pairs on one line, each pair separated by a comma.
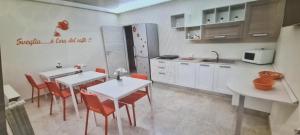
[[271, 74], [264, 84]]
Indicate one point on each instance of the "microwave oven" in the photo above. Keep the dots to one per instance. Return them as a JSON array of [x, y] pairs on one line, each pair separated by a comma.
[[261, 56]]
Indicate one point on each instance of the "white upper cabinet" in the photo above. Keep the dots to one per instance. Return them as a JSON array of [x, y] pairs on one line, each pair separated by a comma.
[[222, 75], [185, 75], [204, 76]]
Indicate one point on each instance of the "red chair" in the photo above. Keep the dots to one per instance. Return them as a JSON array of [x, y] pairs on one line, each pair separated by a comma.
[[36, 86], [105, 108], [62, 93], [99, 70], [134, 97]]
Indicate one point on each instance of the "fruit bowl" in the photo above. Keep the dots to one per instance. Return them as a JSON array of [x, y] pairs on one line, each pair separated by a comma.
[[264, 84], [271, 74]]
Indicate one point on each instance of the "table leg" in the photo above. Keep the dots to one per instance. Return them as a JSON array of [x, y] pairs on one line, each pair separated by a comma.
[[240, 112], [151, 97], [74, 100], [118, 116]]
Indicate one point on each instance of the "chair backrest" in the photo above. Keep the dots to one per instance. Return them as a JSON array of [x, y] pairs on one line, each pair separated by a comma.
[[92, 102], [139, 76], [53, 88], [31, 80], [100, 70]]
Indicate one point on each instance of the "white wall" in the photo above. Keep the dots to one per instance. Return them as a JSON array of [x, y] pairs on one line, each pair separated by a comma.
[[172, 41], [20, 18], [285, 118]]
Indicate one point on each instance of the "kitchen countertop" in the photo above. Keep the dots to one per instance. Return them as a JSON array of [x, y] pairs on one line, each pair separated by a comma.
[[243, 85], [196, 60]]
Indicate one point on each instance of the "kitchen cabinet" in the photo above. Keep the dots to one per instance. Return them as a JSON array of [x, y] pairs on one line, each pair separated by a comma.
[[185, 75], [222, 75], [162, 71], [263, 20], [230, 30], [204, 76]]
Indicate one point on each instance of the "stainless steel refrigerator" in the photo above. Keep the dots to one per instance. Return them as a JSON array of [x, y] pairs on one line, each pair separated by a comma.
[[146, 46]]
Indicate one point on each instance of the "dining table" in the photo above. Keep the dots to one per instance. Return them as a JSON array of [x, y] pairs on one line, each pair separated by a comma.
[[56, 73], [72, 81], [117, 89]]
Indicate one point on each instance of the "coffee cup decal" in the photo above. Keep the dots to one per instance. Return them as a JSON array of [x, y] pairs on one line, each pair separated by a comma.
[[61, 26]]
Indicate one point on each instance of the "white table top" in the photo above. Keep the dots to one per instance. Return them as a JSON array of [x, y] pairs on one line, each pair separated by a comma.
[[243, 85], [117, 89], [58, 72], [81, 78]]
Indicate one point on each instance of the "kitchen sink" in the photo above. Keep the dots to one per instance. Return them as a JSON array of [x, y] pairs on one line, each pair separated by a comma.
[[229, 61]]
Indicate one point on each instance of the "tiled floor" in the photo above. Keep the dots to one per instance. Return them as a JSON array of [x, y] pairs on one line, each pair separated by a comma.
[[177, 111]]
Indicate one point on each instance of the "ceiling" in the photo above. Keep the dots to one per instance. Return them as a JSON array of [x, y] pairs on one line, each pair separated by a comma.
[[112, 6]]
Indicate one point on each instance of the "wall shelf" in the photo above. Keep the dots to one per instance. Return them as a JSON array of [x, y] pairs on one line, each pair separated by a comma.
[[193, 33], [222, 14], [209, 16], [178, 21], [237, 12]]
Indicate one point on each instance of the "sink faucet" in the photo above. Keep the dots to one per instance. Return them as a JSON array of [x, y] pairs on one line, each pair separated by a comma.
[[217, 55]]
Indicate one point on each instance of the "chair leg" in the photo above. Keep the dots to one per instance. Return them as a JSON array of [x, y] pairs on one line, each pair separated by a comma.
[[133, 111], [86, 121], [128, 115], [38, 98], [32, 94], [76, 97], [106, 125], [64, 107], [51, 104]]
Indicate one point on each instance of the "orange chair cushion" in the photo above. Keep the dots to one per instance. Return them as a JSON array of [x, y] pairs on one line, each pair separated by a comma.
[[65, 93]]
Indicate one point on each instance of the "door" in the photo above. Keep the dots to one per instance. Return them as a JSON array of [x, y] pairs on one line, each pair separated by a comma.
[[115, 48], [185, 74], [204, 76], [222, 75], [140, 40]]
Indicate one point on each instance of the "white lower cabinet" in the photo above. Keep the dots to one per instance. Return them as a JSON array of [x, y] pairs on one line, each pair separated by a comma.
[[162, 71], [185, 75], [204, 76], [222, 75]]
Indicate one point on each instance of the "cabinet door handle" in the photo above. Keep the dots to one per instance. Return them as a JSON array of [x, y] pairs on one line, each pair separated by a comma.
[[259, 34], [204, 65], [161, 73], [161, 62], [161, 67], [220, 36], [184, 63], [225, 67]]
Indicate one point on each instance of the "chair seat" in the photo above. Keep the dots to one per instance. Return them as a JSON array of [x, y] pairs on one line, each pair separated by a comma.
[[108, 106], [132, 98], [66, 93], [42, 86]]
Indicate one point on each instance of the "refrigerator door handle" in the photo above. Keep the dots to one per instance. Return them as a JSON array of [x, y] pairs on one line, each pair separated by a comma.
[[134, 51]]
